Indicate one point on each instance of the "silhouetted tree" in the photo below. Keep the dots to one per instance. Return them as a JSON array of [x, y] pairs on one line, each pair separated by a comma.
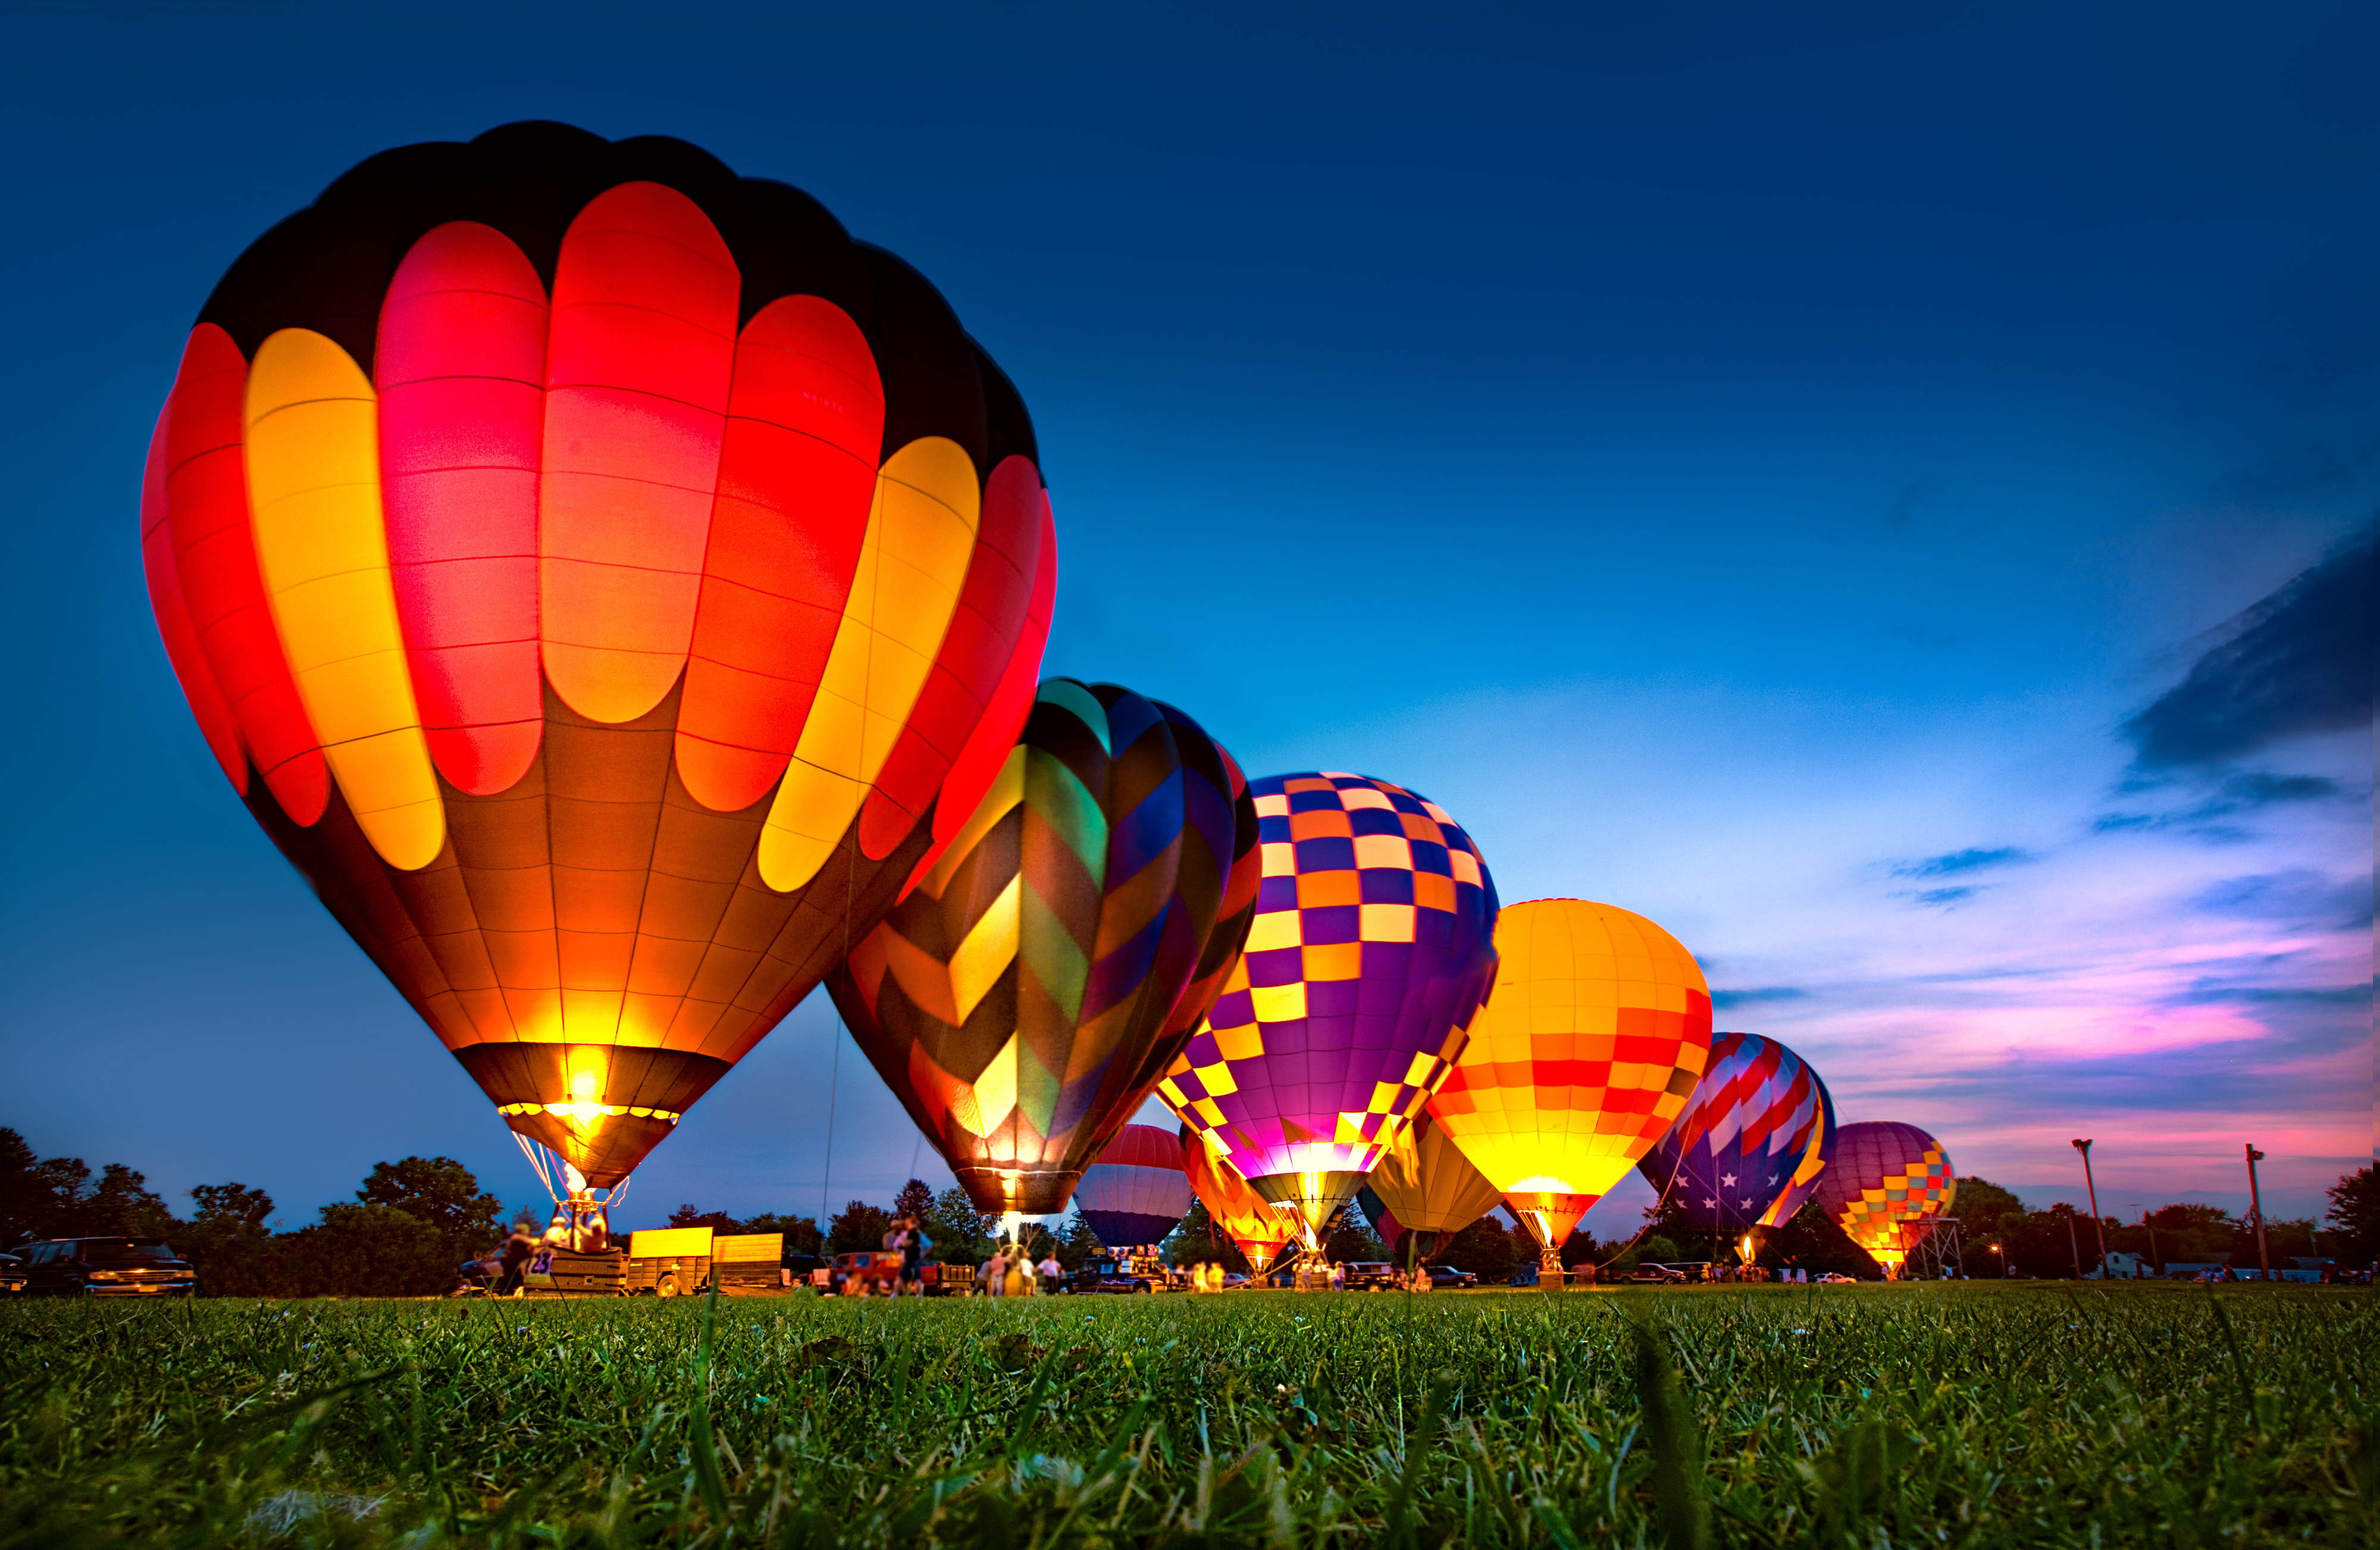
[[691, 1215], [860, 1226], [2354, 1219], [915, 1199], [443, 1196]]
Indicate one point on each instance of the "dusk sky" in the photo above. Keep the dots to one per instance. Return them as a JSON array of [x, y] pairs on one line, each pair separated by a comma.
[[1888, 497]]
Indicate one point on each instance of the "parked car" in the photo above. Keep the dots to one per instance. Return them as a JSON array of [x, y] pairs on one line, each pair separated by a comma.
[[1833, 1278], [1106, 1274], [12, 1274], [1367, 1274], [105, 1268], [1655, 1273], [1445, 1276]]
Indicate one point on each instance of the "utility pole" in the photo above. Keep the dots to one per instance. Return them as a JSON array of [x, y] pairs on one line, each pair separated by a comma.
[[2093, 1191], [2257, 1212], [2156, 1262], [2076, 1245]]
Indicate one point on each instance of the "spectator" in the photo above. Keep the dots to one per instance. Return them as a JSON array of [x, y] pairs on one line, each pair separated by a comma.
[[1052, 1271], [514, 1257]]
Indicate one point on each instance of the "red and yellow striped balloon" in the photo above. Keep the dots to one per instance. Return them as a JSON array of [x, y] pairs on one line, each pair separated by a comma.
[[1594, 1038], [609, 584]]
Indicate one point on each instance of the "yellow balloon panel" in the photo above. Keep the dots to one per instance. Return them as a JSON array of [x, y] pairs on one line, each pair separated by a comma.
[[322, 547]]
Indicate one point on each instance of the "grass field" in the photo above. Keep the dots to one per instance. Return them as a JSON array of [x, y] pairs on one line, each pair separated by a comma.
[[1878, 1416]]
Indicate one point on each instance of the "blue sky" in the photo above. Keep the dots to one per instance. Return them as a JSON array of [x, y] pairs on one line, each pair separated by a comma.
[[1832, 486]]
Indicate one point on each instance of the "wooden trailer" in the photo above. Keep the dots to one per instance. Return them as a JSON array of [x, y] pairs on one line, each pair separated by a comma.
[[569, 1273], [668, 1261], [682, 1261]]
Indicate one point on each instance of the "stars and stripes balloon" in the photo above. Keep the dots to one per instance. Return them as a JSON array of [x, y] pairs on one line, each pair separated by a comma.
[[1594, 1038], [608, 583], [1025, 996], [1884, 1185], [1136, 1192], [1370, 954], [1749, 1147]]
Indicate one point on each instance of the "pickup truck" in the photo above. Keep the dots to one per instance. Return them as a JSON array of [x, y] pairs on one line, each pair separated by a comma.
[[1107, 1273]]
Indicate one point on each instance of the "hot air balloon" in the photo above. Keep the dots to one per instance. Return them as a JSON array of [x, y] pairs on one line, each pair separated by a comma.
[[1137, 1192], [1749, 1147], [1259, 1229], [1369, 956], [1425, 1184], [1598, 1032], [1884, 1186], [608, 583], [1023, 998]]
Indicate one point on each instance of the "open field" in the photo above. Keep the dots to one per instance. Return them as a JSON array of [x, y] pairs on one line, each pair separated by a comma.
[[1954, 1415]]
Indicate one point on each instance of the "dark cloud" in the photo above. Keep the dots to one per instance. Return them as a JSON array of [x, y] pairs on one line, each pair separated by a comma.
[[2240, 793], [2299, 661], [2299, 897], [1974, 859], [1723, 999], [1945, 896]]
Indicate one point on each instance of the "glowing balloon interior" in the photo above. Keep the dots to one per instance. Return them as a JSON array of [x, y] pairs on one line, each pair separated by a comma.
[[1595, 1037], [608, 583]]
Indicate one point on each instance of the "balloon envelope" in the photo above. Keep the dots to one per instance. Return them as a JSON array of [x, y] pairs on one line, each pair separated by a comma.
[[1749, 1147], [608, 583], [1027, 993], [1368, 959], [1884, 1185], [1596, 1036], [1137, 1192], [1260, 1230], [1424, 1183]]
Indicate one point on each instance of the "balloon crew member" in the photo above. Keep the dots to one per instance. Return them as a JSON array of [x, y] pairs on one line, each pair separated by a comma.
[[913, 1244], [514, 1256]]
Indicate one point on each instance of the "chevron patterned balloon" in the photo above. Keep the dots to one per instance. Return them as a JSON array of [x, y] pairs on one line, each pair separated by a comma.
[[1027, 993]]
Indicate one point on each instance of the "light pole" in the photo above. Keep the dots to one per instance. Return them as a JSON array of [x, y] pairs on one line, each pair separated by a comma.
[[2156, 1262], [2257, 1212], [2093, 1191], [2001, 1260], [2074, 1244]]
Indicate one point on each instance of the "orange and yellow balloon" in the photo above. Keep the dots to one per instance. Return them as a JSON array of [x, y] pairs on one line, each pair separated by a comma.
[[1597, 1032]]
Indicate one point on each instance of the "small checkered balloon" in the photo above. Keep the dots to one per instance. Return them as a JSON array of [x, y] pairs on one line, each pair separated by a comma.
[[1372, 949], [1753, 1140], [1884, 1185]]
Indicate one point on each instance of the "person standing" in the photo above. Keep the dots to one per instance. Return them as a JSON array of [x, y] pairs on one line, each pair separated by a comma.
[[913, 1244], [1052, 1271], [1011, 1269], [514, 1257], [995, 1272]]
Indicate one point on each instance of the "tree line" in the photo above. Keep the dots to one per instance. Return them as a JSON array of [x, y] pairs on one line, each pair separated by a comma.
[[411, 1224]]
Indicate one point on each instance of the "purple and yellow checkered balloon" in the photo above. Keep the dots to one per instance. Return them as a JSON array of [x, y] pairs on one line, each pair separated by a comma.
[[1372, 950]]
